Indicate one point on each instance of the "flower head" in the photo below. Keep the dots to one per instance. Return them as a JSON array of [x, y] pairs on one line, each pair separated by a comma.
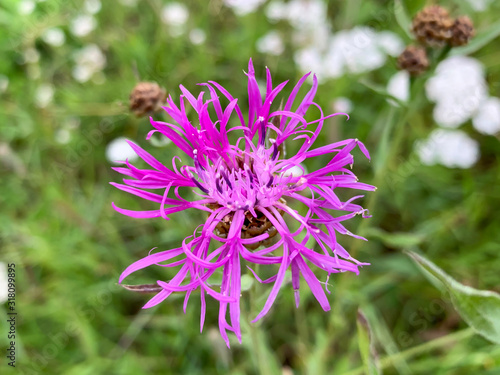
[[432, 26], [258, 211], [414, 60]]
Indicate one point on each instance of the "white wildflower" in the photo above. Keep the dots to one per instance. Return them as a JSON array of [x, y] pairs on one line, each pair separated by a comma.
[[82, 25], [271, 43], [458, 88], [487, 119], [197, 36], [44, 95], [92, 6], [54, 36], [399, 86], [26, 7], [342, 104], [243, 7], [119, 150], [89, 60], [451, 148], [390, 43]]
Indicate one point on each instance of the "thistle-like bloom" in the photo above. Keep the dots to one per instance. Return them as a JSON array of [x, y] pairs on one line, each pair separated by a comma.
[[257, 211]]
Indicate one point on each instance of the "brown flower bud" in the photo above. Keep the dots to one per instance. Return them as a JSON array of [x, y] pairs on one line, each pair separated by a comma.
[[432, 26], [462, 31], [146, 97], [413, 60]]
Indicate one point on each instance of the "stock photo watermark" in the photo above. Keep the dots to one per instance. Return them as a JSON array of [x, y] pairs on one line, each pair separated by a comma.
[[11, 315]]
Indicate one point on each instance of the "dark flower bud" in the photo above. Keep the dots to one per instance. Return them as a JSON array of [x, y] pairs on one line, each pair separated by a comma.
[[462, 31], [414, 60], [146, 97]]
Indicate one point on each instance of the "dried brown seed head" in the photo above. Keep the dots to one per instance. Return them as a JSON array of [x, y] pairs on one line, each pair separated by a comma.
[[432, 26], [462, 31], [146, 97], [414, 60]]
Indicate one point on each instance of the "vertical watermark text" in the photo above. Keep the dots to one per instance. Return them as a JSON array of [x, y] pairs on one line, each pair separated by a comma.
[[11, 315]]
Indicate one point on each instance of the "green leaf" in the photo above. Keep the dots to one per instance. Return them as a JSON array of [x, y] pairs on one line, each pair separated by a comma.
[[383, 92], [402, 17], [479, 308], [479, 41], [246, 282], [366, 346], [395, 239]]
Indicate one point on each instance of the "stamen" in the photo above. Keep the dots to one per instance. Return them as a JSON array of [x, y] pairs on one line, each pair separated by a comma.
[[199, 185], [275, 151]]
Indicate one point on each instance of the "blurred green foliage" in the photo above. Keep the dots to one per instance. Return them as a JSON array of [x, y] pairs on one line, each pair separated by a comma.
[[69, 245]]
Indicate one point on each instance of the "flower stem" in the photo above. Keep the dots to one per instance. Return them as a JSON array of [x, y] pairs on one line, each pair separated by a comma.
[[420, 349]]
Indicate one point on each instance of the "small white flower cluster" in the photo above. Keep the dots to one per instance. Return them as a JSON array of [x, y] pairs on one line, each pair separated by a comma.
[[451, 148], [342, 104], [458, 88], [399, 86], [243, 7], [118, 150], [90, 60], [175, 15], [460, 92], [54, 36], [329, 55], [26, 7], [271, 43], [84, 23], [44, 95]]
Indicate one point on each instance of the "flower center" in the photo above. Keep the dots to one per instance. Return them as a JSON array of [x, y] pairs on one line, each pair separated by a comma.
[[252, 226], [248, 183]]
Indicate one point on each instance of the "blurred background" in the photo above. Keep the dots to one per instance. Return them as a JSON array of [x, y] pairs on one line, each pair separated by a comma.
[[67, 69]]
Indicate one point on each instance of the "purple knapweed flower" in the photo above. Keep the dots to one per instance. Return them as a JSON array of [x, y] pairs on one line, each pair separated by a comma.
[[249, 195]]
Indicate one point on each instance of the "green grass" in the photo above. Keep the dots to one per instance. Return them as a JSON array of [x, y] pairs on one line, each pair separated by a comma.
[[70, 246]]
